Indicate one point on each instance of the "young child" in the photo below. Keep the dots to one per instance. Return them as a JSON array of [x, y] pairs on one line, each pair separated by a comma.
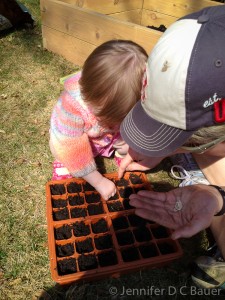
[[85, 121]]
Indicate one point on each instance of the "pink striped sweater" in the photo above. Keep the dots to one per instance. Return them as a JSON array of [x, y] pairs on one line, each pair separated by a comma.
[[75, 134]]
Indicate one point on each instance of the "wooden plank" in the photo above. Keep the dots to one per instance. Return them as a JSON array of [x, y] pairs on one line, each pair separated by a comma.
[[177, 8], [93, 27], [71, 48], [133, 16], [107, 6], [152, 18]]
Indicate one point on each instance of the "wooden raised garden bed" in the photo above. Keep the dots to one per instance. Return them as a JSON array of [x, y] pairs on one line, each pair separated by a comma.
[[73, 28]]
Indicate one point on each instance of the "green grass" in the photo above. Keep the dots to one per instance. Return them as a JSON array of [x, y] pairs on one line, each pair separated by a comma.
[[29, 86]]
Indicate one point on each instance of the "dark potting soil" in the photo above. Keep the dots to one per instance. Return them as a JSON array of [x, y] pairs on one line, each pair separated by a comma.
[[93, 198], [103, 242], [56, 203], [135, 179], [161, 28], [84, 246], [115, 197], [166, 248], [64, 250], [63, 233], [57, 189], [137, 189], [125, 192], [125, 238], [142, 234], [87, 262], [78, 212], [76, 200], [160, 232], [88, 187], [95, 209], [148, 251], [62, 214], [126, 204], [108, 258], [67, 266], [130, 254], [122, 182], [81, 229], [120, 223], [100, 226], [136, 221], [114, 206], [74, 187]]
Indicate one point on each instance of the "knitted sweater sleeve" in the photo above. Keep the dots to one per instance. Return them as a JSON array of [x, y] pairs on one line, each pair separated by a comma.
[[68, 142]]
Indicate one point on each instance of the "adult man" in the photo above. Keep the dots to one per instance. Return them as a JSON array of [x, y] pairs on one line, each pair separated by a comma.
[[182, 110]]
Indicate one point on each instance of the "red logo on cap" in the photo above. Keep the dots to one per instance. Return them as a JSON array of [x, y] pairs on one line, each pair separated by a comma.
[[219, 111]]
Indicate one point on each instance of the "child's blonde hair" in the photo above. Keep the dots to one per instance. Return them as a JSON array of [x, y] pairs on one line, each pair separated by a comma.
[[111, 79]]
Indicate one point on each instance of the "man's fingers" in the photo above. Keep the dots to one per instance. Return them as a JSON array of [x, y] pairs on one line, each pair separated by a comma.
[[123, 165], [159, 216], [149, 196], [134, 166]]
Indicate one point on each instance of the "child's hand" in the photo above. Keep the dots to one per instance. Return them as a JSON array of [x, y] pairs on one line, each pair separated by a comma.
[[104, 186]]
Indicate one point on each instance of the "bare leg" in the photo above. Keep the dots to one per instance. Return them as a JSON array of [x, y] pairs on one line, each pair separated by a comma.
[[214, 170]]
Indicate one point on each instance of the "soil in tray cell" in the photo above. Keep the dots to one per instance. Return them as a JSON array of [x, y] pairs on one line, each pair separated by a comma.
[[74, 187], [57, 203], [76, 200], [136, 221], [62, 214], [125, 192], [160, 232], [166, 248], [135, 179], [84, 246], [120, 223], [114, 206], [148, 251], [100, 226], [130, 254], [115, 197], [87, 262], [95, 209], [67, 266], [126, 204], [78, 212], [122, 182], [64, 250], [125, 238], [108, 258], [103, 242], [142, 234], [137, 189], [87, 187], [57, 189], [93, 198], [63, 233], [81, 229]]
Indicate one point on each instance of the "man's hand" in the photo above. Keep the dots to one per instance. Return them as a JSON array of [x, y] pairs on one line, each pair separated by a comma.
[[134, 161], [199, 204]]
